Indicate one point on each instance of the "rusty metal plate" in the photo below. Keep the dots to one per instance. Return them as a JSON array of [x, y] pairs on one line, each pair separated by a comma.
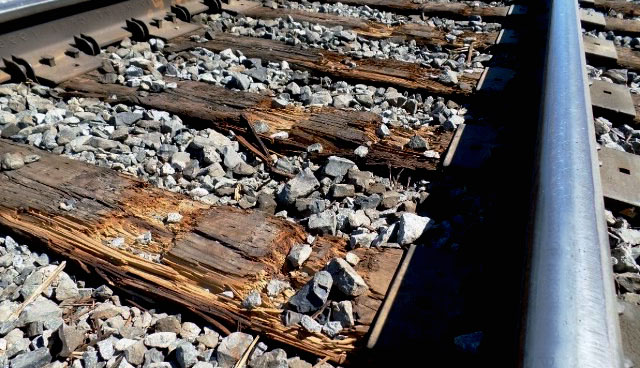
[[470, 147], [495, 79], [507, 37], [49, 36], [600, 50], [620, 175], [592, 19], [239, 6], [612, 100]]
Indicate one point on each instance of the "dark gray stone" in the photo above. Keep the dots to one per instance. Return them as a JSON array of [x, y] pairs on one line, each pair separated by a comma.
[[345, 278], [313, 294], [33, 359]]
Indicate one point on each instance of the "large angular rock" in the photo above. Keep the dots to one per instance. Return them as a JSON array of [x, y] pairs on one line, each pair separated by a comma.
[[71, 337], [323, 223], [345, 278], [134, 353], [298, 254], [343, 313], [168, 324], [232, 347], [32, 359], [186, 355], [337, 166], [40, 310], [276, 358], [412, 227], [300, 186], [160, 339], [11, 161], [313, 294], [310, 324]]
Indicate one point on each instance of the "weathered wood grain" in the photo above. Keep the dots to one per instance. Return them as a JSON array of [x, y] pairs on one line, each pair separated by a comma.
[[339, 131], [212, 249], [385, 72], [422, 34]]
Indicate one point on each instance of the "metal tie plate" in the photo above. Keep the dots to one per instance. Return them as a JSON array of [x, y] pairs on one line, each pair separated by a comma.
[[495, 79], [592, 19], [471, 147], [612, 100], [620, 175], [600, 50]]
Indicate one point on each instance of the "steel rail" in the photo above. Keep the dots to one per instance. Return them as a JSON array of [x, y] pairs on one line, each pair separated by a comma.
[[571, 318], [16, 9]]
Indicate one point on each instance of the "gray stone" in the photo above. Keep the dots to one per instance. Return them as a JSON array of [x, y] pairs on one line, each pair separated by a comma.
[[390, 199], [337, 166], [323, 223], [339, 191], [453, 122], [210, 339], [261, 127], [361, 151], [310, 324], [332, 328], [203, 365], [32, 359], [291, 318], [160, 339], [153, 356], [275, 287], [300, 186], [345, 278], [186, 355], [12, 161], [625, 260], [352, 258], [180, 160], [276, 358], [343, 313], [231, 157], [253, 300], [469, 343], [66, 289], [629, 236], [418, 143], [298, 254], [106, 349], [315, 148], [71, 337], [362, 240], [126, 118], [412, 227], [173, 217], [240, 81], [385, 234], [313, 294], [40, 310], [342, 101], [90, 359], [134, 353], [296, 362], [232, 348]]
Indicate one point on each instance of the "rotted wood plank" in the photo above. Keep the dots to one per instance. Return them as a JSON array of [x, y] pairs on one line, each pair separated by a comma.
[[624, 26], [387, 72], [628, 58], [339, 131], [619, 6], [211, 250], [422, 34], [428, 7]]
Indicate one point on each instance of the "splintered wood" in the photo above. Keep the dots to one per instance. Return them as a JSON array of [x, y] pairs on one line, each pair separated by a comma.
[[339, 131], [211, 250], [422, 34], [387, 72]]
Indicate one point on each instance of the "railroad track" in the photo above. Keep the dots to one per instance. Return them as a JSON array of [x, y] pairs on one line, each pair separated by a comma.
[[354, 182]]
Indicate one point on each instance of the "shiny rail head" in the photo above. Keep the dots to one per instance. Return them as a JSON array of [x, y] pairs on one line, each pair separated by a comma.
[[571, 312]]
